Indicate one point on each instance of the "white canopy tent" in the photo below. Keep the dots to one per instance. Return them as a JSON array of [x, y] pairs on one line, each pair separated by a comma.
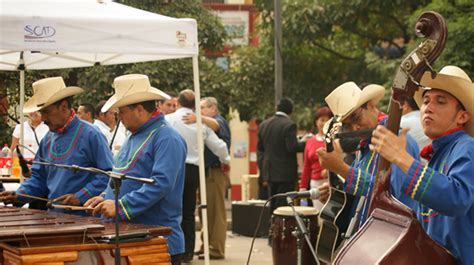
[[52, 34]]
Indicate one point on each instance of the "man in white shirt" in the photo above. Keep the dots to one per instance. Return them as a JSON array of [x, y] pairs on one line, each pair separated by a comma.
[[168, 106], [34, 130], [86, 112], [106, 122], [186, 104]]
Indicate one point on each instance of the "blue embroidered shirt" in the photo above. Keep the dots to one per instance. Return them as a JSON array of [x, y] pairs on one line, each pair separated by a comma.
[[445, 189], [158, 152], [80, 144], [361, 178]]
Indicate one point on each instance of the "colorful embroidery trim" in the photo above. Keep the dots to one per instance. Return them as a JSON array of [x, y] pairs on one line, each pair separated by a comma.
[[86, 192], [136, 154], [426, 185], [407, 191], [359, 172], [442, 169], [419, 181], [126, 209], [120, 212], [350, 180], [367, 172], [357, 182], [428, 215], [61, 156]]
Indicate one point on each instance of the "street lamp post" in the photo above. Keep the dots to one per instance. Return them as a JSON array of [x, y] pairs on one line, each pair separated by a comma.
[[278, 61]]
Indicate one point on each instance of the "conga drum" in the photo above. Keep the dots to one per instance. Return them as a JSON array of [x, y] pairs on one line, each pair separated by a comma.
[[284, 247]]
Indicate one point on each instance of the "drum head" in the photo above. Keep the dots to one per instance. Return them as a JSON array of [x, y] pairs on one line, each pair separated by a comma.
[[302, 210]]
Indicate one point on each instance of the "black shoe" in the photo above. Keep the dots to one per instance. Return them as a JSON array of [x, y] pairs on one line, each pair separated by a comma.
[[187, 257], [199, 252], [201, 256]]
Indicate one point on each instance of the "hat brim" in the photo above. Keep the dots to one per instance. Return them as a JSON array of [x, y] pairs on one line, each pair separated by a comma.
[[459, 88], [370, 92], [116, 101], [33, 105]]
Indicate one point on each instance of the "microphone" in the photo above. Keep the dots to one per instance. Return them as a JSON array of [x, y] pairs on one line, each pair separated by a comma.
[[23, 164], [312, 194]]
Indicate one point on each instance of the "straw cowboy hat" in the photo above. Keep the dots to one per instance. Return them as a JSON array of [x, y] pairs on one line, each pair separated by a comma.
[[348, 97], [48, 91], [130, 89], [456, 82]]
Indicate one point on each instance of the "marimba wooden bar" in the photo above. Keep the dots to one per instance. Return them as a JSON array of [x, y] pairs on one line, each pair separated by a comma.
[[38, 237]]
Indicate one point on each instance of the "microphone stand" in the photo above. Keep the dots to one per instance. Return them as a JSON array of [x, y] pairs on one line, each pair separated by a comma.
[[111, 145], [115, 182], [301, 231]]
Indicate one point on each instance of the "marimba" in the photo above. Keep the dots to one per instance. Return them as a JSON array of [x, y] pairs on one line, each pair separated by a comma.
[[38, 237]]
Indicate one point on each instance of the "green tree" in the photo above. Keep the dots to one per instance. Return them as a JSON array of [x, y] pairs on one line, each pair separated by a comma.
[[459, 15], [168, 75], [325, 43]]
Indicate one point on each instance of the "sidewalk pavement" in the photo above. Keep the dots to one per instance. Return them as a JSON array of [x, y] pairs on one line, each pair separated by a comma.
[[237, 246], [237, 251]]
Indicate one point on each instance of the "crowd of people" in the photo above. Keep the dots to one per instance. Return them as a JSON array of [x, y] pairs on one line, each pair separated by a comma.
[[147, 133]]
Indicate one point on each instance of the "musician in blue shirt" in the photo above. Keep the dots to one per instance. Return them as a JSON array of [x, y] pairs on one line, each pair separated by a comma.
[[358, 109], [70, 141], [445, 186], [153, 150]]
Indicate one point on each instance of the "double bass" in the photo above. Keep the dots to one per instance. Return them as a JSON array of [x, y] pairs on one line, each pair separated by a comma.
[[392, 234]]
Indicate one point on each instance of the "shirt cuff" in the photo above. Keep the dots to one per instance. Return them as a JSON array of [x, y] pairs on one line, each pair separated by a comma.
[[124, 211], [83, 195], [417, 180]]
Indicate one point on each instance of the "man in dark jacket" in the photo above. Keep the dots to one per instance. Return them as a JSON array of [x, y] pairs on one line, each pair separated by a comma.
[[276, 151]]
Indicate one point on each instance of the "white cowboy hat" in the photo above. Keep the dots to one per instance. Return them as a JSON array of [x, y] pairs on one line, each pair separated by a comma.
[[348, 97], [131, 89], [456, 82], [48, 91]]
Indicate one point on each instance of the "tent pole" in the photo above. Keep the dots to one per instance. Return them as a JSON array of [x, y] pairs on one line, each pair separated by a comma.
[[21, 67], [202, 177]]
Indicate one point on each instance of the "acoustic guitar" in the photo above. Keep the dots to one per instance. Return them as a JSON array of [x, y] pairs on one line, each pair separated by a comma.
[[336, 212]]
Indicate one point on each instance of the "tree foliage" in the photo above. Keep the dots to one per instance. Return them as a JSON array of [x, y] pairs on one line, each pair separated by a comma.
[[328, 42], [169, 76], [325, 43]]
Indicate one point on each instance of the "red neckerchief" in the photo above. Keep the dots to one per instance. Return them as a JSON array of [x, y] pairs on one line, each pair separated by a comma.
[[154, 114], [427, 151], [61, 130], [381, 117]]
